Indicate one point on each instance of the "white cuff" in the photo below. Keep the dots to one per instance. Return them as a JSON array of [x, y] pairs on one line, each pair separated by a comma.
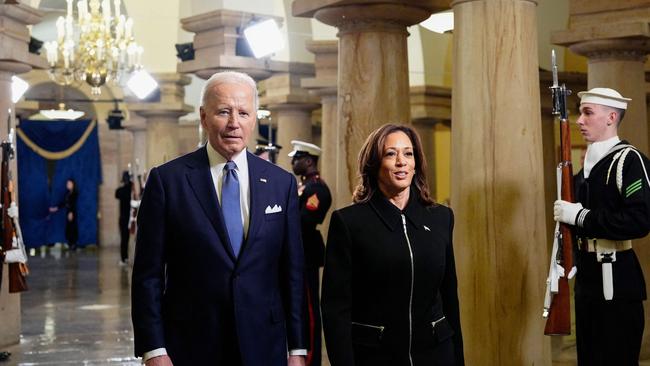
[[298, 352], [154, 353]]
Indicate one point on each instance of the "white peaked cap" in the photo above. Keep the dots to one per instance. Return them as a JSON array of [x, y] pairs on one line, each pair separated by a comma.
[[604, 96], [304, 147]]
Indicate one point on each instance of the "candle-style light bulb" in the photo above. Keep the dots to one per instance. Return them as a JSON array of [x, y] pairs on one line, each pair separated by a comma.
[[118, 3]]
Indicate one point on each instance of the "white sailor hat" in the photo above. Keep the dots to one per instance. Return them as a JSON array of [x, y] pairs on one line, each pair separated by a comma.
[[303, 148], [604, 96]]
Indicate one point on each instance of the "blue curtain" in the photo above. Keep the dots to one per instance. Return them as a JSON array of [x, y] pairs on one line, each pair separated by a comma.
[[36, 196]]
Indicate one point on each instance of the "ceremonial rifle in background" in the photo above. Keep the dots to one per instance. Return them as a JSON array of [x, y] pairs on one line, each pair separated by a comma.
[[136, 196], [12, 240], [557, 302]]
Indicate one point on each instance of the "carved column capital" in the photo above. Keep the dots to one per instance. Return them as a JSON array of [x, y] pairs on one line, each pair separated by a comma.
[[393, 18], [613, 49]]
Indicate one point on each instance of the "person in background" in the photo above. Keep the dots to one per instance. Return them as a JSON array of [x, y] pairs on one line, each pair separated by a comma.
[[70, 204], [267, 151], [124, 194], [389, 285], [315, 200]]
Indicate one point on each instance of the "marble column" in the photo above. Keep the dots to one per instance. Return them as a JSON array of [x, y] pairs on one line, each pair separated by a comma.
[[291, 107], [616, 41], [324, 85], [14, 40], [162, 118], [189, 136], [498, 184], [373, 85], [430, 105]]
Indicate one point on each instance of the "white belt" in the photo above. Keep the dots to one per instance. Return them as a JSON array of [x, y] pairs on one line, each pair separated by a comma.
[[605, 245], [606, 254]]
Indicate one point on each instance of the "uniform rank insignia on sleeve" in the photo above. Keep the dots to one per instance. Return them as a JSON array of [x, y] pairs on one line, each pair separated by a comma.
[[633, 188], [312, 202]]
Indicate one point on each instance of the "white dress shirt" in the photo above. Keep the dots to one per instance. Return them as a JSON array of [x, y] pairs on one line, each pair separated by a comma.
[[217, 163]]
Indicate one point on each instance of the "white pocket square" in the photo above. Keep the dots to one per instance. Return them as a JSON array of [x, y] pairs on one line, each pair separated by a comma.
[[272, 210]]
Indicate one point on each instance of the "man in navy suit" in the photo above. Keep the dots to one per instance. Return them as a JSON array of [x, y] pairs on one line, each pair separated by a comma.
[[218, 271]]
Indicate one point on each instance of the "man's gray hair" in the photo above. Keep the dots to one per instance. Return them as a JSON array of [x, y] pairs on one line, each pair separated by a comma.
[[229, 77]]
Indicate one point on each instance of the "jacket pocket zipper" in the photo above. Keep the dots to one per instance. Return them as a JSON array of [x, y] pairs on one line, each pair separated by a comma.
[[380, 328], [434, 323]]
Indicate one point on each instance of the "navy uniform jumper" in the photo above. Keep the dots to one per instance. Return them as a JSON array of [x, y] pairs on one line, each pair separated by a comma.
[[610, 332]]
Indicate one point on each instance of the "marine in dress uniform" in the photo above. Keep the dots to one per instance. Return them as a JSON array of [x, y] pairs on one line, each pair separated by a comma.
[[613, 207], [315, 199]]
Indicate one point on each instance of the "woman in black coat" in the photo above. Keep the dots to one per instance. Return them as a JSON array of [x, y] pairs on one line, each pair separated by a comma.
[[389, 285]]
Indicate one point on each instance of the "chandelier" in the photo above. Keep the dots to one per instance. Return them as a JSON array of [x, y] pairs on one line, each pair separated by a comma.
[[98, 48]]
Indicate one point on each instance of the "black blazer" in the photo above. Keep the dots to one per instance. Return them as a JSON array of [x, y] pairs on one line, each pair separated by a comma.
[[376, 309]]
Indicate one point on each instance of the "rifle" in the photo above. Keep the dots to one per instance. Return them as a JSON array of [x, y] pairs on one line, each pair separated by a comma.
[[17, 270], [557, 302], [136, 195]]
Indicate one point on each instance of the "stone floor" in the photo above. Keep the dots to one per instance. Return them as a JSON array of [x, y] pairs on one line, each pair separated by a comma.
[[78, 312]]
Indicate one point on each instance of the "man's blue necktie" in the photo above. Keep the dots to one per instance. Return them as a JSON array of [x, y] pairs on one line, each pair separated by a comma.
[[230, 207]]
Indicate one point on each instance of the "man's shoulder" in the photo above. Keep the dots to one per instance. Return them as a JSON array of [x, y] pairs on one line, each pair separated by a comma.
[[625, 145], [195, 158], [268, 168]]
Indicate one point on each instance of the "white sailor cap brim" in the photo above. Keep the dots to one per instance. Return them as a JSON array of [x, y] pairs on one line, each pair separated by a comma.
[[604, 96], [305, 148]]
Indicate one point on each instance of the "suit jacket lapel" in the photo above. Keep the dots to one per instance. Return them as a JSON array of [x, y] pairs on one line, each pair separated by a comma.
[[200, 180], [256, 170]]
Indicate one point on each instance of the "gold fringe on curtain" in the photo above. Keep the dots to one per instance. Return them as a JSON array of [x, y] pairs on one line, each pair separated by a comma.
[[58, 155]]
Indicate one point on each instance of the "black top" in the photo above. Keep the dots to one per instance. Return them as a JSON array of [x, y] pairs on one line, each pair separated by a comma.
[[368, 281], [615, 216], [123, 193], [314, 202]]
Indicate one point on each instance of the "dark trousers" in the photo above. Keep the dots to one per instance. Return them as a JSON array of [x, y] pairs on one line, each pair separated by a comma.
[[71, 232], [124, 239], [313, 310], [608, 332]]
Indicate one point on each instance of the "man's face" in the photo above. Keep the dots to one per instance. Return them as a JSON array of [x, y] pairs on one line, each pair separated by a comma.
[[597, 122], [229, 117], [299, 165]]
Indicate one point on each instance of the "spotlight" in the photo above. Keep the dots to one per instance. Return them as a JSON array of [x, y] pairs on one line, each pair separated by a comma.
[[18, 88], [264, 38], [185, 51], [141, 84]]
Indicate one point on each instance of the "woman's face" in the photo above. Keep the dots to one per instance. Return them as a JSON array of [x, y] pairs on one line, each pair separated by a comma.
[[397, 164], [69, 185]]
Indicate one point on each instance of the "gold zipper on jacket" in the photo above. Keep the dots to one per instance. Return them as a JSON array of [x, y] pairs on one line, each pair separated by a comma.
[[408, 242]]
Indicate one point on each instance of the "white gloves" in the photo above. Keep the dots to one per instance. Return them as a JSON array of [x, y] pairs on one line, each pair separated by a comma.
[[12, 211], [135, 203], [566, 212]]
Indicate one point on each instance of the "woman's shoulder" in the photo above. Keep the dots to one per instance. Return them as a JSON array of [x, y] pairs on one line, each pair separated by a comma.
[[441, 212]]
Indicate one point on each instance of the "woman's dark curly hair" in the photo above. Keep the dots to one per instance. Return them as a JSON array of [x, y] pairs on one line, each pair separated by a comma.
[[370, 158]]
